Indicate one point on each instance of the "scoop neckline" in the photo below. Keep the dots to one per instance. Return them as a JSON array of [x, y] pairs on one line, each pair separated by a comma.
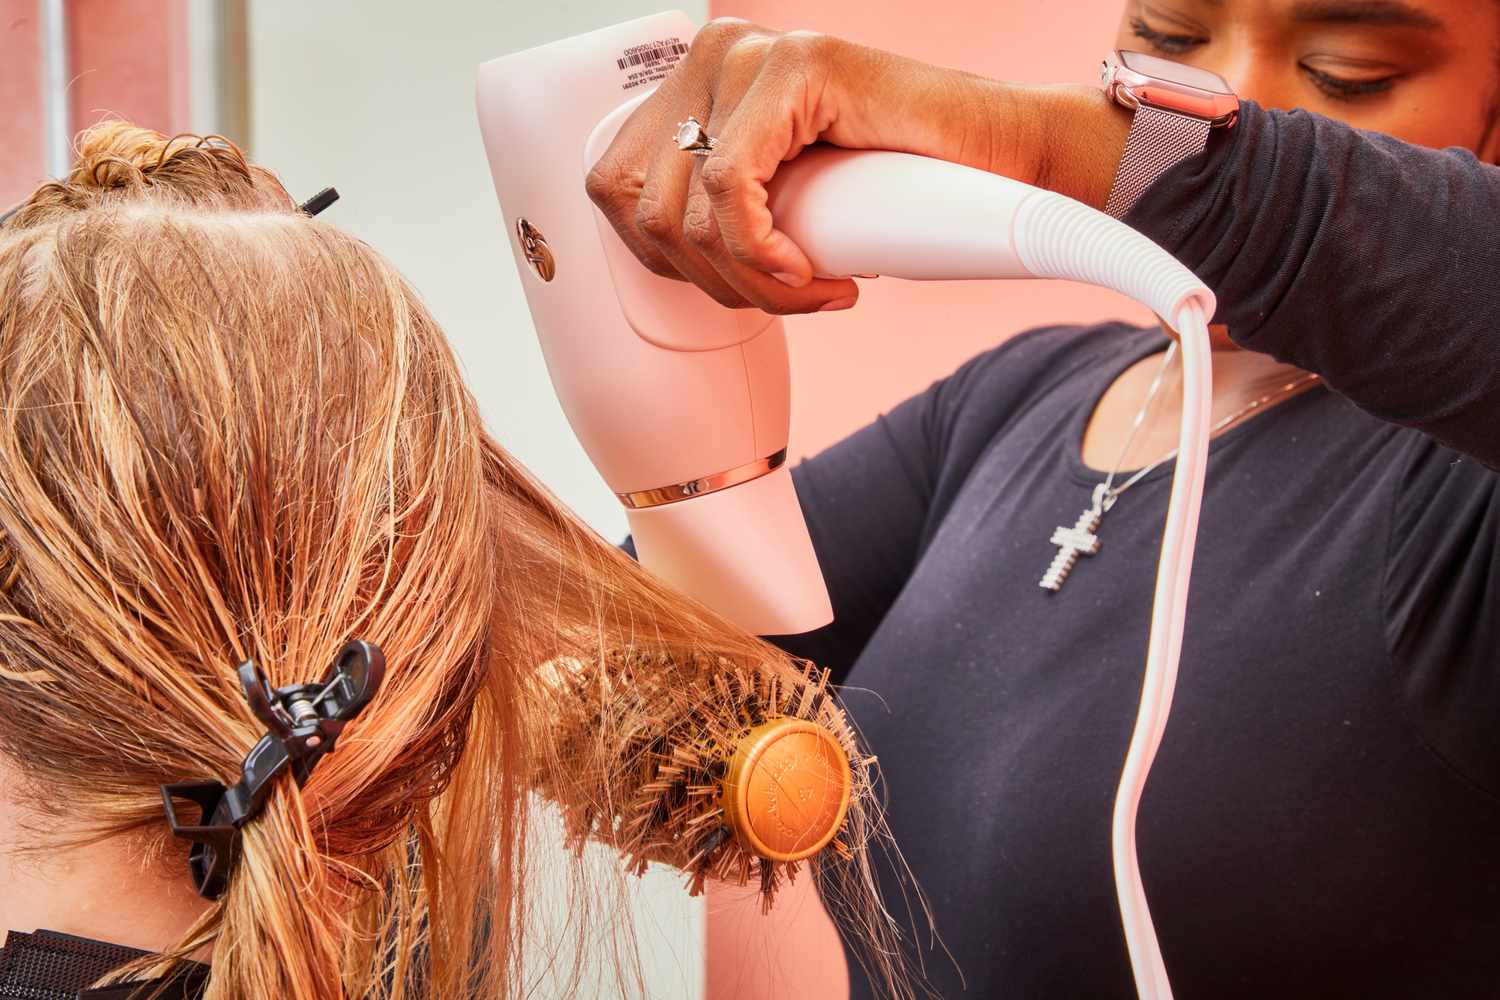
[[1082, 473]]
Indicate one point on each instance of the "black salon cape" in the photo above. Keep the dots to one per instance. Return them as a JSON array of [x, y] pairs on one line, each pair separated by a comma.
[[1324, 816], [47, 965]]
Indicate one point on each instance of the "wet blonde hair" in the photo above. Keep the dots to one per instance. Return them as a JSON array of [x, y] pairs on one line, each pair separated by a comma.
[[229, 431]]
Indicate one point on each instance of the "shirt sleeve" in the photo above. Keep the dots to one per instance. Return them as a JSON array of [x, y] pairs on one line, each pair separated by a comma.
[[1440, 592], [866, 500], [1354, 255]]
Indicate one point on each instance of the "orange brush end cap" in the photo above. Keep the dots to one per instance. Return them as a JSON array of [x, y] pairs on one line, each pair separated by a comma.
[[787, 789]]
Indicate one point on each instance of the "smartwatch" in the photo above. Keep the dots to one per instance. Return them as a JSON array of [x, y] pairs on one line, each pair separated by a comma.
[[1175, 107]]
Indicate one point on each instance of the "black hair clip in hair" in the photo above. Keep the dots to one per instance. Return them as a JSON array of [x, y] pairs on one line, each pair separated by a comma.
[[303, 723], [319, 201]]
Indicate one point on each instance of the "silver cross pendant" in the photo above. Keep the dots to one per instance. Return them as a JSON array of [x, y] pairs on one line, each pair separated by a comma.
[[1075, 541]]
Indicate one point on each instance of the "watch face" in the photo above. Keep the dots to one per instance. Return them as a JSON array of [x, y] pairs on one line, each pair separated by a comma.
[[1175, 72]]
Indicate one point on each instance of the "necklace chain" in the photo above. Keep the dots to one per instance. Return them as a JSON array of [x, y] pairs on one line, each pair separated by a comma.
[[1081, 539], [1111, 492]]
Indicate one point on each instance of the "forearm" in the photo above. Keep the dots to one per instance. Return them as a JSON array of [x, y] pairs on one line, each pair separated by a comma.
[[1082, 135], [1066, 138]]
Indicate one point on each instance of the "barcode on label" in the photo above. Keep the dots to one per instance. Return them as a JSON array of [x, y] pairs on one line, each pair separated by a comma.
[[651, 55]]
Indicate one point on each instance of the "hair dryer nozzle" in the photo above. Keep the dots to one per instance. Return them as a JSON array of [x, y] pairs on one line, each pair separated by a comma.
[[744, 552]]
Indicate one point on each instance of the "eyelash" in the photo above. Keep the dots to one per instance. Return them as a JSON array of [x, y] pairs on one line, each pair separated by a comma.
[[1347, 90], [1334, 87], [1161, 41]]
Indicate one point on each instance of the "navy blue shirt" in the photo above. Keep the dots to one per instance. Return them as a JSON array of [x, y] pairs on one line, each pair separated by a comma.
[[1324, 815]]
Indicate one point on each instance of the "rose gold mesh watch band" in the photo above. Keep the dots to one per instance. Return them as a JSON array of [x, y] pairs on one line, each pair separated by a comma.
[[1159, 140]]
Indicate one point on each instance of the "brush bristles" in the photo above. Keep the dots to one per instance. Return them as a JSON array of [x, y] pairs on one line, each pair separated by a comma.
[[640, 746]]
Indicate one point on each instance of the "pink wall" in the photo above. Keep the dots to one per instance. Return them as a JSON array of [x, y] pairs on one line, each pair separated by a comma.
[[127, 58], [847, 367], [21, 150]]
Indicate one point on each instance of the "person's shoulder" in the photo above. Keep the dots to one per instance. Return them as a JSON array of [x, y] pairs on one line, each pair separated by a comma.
[[963, 414], [1083, 342], [1037, 361]]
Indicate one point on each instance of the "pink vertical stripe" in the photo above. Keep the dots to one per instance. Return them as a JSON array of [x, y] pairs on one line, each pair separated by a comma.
[[127, 58], [22, 143]]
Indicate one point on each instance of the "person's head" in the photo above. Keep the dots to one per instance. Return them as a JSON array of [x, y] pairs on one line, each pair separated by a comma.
[[230, 431], [1425, 71]]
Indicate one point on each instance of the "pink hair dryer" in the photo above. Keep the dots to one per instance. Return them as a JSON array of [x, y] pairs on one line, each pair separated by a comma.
[[683, 405]]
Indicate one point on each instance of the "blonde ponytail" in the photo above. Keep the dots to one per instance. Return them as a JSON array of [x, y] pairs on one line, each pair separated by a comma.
[[231, 432]]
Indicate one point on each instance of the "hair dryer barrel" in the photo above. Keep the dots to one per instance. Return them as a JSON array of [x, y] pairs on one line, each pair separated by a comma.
[[681, 404]]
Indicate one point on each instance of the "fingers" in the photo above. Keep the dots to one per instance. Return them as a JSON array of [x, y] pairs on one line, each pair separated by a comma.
[[777, 294], [663, 205], [705, 219], [659, 215], [727, 218], [774, 119], [615, 184], [618, 180]]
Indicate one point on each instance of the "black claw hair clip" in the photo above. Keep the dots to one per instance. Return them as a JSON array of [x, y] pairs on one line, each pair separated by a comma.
[[311, 206], [319, 201], [303, 723]]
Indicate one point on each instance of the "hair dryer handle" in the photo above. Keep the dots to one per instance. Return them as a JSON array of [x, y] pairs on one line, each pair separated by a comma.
[[907, 216]]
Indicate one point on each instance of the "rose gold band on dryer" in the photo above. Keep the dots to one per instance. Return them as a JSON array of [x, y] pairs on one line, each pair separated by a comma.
[[703, 484]]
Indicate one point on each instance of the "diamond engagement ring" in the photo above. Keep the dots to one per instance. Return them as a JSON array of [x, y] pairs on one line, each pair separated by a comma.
[[691, 138]]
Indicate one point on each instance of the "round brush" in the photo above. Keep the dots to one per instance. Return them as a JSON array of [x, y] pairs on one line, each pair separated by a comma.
[[717, 769]]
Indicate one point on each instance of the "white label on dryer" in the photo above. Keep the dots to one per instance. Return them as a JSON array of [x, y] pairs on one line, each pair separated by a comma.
[[649, 62]]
